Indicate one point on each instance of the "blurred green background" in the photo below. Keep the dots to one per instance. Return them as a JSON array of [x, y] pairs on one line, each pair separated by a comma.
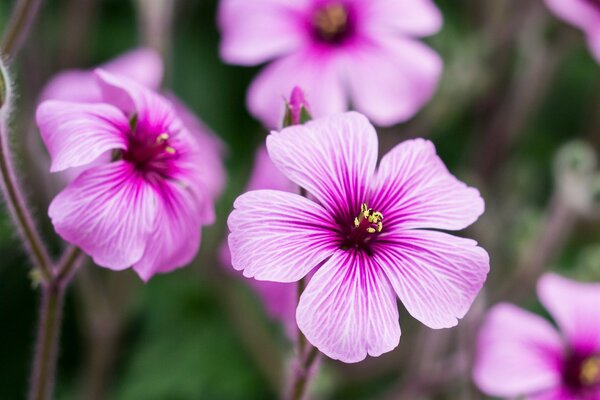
[[518, 86]]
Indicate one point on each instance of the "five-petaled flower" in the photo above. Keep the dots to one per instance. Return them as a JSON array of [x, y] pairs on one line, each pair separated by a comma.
[[145, 205], [364, 232], [585, 15], [362, 52], [521, 354]]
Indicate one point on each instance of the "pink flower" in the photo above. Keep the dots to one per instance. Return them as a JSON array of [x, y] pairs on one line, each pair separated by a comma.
[[521, 354], [363, 234], [279, 299], [144, 208], [583, 14], [146, 68], [362, 52]]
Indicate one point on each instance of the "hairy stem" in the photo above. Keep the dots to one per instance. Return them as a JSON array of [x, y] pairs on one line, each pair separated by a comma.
[[18, 27]]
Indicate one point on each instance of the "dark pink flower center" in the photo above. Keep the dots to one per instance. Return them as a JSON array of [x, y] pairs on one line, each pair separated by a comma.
[[582, 373], [149, 153], [332, 23], [366, 226]]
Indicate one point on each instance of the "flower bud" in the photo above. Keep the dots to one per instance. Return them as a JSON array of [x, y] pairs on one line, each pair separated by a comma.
[[297, 109]]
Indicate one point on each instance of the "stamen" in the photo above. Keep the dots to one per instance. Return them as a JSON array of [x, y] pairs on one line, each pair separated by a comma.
[[331, 21], [590, 371], [170, 150], [373, 220], [163, 137]]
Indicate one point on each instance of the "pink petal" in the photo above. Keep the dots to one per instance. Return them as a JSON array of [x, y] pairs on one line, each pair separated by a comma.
[[410, 17], [349, 310], [152, 110], [176, 238], [437, 276], [333, 158], [574, 306], [77, 134], [256, 31], [392, 78], [265, 175], [584, 14], [109, 211], [518, 354], [142, 65], [594, 41], [414, 189], [317, 73], [279, 236]]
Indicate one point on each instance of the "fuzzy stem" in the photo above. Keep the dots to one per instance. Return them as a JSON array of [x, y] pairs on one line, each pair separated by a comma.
[[18, 26], [13, 193]]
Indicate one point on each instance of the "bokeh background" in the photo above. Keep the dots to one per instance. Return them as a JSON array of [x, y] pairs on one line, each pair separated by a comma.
[[517, 115]]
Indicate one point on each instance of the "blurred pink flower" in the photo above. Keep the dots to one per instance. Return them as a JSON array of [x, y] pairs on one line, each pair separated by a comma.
[[362, 52], [363, 230], [522, 355], [146, 207], [583, 14], [145, 67], [279, 299]]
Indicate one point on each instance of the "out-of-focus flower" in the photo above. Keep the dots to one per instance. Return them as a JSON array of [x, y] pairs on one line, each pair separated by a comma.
[[279, 299], [522, 355], [145, 207], [583, 14], [364, 233], [145, 67], [362, 52]]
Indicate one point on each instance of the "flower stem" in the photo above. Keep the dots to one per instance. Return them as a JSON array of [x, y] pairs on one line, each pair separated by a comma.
[[18, 26]]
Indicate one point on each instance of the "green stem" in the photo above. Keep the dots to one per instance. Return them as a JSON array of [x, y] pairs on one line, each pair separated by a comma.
[[18, 26]]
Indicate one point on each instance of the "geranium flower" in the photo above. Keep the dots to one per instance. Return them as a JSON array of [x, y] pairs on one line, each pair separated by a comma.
[[362, 52], [520, 354], [583, 14], [364, 233], [145, 206]]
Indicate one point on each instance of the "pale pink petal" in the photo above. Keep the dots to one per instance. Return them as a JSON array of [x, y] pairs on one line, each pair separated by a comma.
[[256, 31], [392, 78], [279, 236], [109, 211], [142, 65], [349, 310], [584, 14], [575, 307], [77, 134], [152, 111], [559, 393], [410, 17], [333, 158], [317, 73], [176, 237], [594, 41], [437, 276], [414, 189], [265, 175], [518, 354]]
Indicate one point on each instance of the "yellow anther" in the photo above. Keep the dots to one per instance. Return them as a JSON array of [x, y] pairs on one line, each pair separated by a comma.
[[379, 226], [331, 20], [373, 217], [590, 371], [170, 150], [356, 222], [371, 230], [163, 137]]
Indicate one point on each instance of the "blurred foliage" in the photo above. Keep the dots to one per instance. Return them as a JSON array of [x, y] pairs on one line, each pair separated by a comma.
[[179, 340]]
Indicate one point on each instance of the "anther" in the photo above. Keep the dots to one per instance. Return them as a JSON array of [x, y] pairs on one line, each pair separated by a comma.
[[163, 137], [590, 371], [170, 150]]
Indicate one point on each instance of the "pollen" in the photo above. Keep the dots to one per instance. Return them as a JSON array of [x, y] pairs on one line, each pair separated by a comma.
[[162, 138], [371, 220], [170, 150], [331, 22], [589, 374]]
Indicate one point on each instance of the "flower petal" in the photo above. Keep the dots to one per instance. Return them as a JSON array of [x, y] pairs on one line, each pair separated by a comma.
[[574, 306], [254, 32], [584, 14], [333, 158], [391, 79], [176, 237], [77, 134], [414, 189], [316, 73], [265, 175], [349, 309], [109, 211], [437, 276], [410, 17], [593, 38], [518, 353], [143, 65], [279, 236]]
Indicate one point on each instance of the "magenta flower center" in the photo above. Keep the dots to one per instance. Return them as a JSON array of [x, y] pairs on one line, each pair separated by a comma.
[[582, 373], [332, 23], [365, 227], [149, 153]]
